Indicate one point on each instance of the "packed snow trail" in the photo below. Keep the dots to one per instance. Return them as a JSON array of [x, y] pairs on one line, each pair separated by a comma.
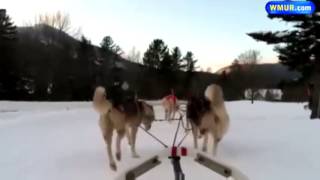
[[62, 141]]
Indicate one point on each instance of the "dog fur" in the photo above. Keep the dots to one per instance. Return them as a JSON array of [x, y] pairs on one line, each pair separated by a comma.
[[208, 115], [125, 120]]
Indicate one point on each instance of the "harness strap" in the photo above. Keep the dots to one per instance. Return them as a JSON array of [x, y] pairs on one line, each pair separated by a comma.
[[166, 146]]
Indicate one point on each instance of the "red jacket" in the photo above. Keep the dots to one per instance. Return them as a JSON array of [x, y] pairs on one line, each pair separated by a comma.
[[172, 97]]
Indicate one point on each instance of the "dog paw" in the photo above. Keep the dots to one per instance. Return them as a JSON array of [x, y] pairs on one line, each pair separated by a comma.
[[118, 156], [113, 166]]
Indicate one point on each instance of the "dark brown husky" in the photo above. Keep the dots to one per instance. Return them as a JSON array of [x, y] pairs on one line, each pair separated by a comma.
[[208, 115]]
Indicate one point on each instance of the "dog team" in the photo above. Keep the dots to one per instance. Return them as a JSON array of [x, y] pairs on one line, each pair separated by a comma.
[[206, 114]]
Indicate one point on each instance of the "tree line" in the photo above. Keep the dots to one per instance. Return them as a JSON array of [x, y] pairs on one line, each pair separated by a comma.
[[43, 62]]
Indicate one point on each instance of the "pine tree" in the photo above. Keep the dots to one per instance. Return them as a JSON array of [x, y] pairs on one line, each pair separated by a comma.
[[177, 61], [190, 62], [7, 30], [109, 47], [155, 54], [111, 53], [298, 48], [8, 73], [173, 61], [84, 72], [166, 64]]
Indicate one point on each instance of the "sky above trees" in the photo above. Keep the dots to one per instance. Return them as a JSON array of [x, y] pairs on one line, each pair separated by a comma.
[[215, 31]]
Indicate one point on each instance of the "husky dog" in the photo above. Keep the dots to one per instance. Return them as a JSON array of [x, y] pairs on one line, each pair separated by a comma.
[[208, 115], [125, 119]]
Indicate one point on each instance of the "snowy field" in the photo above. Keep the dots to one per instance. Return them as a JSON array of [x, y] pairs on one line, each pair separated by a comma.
[[62, 141]]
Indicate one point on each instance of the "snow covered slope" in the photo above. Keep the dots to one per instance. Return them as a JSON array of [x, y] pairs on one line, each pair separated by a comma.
[[62, 141]]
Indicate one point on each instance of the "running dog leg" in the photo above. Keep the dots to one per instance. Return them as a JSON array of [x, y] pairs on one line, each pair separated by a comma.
[[128, 134], [215, 145], [170, 112], [107, 131], [166, 115], [216, 140], [133, 141], [118, 145], [173, 113], [195, 136], [188, 124], [205, 142]]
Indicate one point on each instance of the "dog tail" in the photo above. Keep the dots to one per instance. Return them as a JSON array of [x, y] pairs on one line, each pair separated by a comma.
[[100, 102], [214, 94], [99, 93]]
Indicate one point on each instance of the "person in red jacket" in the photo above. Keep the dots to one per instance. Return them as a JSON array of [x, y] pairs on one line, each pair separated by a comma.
[[172, 97], [170, 105]]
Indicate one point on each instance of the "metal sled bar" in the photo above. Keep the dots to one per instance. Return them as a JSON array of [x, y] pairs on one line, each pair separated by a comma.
[[178, 173], [214, 166], [142, 168]]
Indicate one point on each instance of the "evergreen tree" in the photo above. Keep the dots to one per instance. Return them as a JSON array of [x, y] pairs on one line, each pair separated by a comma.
[[8, 73], [298, 48], [155, 54], [84, 72], [111, 53], [109, 47], [176, 59], [166, 64], [190, 62], [7, 30], [172, 62]]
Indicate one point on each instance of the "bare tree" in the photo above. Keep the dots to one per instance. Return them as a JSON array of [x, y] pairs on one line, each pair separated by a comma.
[[209, 70], [248, 60], [58, 20], [249, 57], [134, 55]]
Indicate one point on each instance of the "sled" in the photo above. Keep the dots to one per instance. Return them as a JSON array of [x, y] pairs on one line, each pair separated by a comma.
[[223, 169]]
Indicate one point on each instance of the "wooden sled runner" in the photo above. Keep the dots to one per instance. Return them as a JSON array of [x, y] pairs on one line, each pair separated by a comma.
[[221, 168]]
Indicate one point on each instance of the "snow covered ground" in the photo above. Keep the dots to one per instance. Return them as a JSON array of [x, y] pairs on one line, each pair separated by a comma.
[[62, 141]]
